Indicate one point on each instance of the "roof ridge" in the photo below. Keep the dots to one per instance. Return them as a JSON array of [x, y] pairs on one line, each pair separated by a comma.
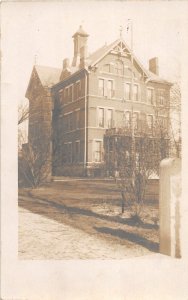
[[43, 66]]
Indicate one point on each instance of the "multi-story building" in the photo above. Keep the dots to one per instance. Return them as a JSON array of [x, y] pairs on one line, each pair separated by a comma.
[[95, 92]]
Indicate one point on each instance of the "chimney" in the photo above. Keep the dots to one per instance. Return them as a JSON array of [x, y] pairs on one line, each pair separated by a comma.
[[83, 56], [66, 64], [153, 65], [80, 40], [83, 52], [66, 69]]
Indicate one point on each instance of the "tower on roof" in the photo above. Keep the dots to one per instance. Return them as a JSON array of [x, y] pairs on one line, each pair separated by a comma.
[[80, 41]]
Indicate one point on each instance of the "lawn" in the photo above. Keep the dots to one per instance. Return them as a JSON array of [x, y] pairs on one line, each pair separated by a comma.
[[94, 207]]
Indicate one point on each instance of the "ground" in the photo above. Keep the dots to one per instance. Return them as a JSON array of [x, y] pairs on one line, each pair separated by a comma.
[[82, 219]]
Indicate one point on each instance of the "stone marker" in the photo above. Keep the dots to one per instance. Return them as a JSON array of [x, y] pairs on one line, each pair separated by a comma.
[[169, 206]]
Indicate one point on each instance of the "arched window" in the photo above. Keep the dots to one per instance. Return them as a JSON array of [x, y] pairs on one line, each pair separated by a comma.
[[119, 67]]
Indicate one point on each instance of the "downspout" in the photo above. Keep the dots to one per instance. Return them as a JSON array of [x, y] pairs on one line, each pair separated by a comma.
[[85, 130]]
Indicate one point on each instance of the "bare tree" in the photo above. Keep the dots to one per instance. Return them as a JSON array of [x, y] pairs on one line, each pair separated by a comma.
[[23, 113], [34, 155], [175, 120], [135, 155], [35, 162]]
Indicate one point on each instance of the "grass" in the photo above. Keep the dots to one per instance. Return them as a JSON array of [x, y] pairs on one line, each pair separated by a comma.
[[95, 207]]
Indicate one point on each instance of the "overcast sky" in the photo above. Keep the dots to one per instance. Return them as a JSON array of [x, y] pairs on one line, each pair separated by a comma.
[[45, 29]]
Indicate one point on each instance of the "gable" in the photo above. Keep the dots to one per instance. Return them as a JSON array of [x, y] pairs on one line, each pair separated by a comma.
[[118, 48], [48, 75], [41, 77], [122, 50], [34, 86], [120, 66]]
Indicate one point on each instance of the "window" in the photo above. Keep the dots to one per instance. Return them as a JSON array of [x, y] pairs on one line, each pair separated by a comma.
[[65, 150], [135, 92], [137, 159], [127, 91], [119, 68], [65, 123], [101, 87], [135, 120], [127, 119], [150, 96], [110, 88], [109, 118], [106, 68], [77, 119], [70, 121], [127, 156], [162, 122], [101, 117], [67, 153], [71, 93], [161, 98], [61, 98], [66, 94], [142, 121], [150, 121], [77, 90], [98, 151], [77, 151]]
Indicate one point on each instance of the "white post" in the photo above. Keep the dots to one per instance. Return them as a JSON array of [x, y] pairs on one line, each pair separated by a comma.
[[169, 206]]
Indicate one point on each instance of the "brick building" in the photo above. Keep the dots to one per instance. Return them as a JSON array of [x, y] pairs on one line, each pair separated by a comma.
[[74, 106]]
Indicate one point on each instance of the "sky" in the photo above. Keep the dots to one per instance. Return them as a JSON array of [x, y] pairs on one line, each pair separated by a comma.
[[44, 30]]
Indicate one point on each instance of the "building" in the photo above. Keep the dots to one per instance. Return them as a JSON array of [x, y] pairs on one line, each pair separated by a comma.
[[72, 107]]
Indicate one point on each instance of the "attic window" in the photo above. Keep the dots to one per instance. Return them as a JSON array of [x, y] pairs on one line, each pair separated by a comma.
[[106, 68], [119, 68]]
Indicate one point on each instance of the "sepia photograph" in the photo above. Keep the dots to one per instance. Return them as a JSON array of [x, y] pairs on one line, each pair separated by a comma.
[[95, 150], [92, 132]]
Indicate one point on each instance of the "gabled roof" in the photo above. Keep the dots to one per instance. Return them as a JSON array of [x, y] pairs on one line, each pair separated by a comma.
[[48, 75], [98, 55]]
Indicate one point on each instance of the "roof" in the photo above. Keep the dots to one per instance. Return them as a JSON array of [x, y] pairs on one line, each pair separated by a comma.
[[154, 77], [48, 75], [99, 54], [80, 31], [96, 56]]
